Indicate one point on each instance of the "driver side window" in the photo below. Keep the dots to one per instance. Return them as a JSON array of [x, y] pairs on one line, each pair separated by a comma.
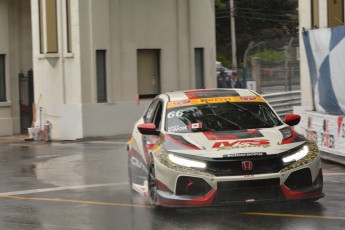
[[149, 115], [154, 113]]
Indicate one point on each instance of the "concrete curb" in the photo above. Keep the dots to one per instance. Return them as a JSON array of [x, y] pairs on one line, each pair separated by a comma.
[[25, 139]]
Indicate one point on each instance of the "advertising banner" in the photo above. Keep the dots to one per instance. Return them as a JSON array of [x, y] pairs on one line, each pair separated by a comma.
[[325, 50], [327, 131]]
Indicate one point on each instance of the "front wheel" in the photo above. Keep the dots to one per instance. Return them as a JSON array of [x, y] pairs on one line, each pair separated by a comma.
[[152, 186]]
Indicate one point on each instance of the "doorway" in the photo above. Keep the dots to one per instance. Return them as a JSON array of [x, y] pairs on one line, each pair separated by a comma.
[[26, 99], [148, 67]]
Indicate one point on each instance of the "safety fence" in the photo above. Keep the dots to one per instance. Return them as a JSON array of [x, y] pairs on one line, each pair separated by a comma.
[[283, 102]]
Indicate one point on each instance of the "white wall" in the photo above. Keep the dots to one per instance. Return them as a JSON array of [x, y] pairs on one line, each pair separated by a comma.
[[66, 83], [304, 22], [6, 121], [15, 43]]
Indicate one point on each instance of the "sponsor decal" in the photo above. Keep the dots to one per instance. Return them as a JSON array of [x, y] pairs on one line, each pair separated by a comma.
[[181, 102], [211, 100], [341, 127], [248, 98], [235, 155], [247, 165], [224, 145], [327, 138], [137, 163], [318, 130], [195, 126], [177, 128]]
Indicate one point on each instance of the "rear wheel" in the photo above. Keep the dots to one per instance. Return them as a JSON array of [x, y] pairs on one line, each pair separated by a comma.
[[152, 186]]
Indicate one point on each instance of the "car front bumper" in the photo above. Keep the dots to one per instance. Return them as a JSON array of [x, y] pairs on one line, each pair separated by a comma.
[[179, 186]]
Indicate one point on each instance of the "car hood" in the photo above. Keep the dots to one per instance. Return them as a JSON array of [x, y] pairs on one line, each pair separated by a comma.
[[232, 143]]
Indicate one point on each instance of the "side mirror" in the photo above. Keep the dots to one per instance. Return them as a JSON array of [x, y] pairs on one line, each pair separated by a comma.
[[292, 119], [148, 129]]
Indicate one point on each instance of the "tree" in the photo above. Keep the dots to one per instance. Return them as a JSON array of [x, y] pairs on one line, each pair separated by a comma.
[[256, 20]]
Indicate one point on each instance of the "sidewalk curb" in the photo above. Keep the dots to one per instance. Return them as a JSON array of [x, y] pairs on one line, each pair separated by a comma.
[[24, 139]]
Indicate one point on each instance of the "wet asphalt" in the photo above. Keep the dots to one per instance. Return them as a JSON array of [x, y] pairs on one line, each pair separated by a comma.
[[84, 185]]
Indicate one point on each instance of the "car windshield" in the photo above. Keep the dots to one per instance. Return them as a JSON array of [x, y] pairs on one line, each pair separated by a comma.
[[220, 117]]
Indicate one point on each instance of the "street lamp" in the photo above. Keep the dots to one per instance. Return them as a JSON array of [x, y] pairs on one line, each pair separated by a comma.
[[250, 46]]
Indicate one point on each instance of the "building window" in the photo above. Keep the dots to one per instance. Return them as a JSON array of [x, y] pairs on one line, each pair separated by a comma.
[[199, 68], [51, 27], [2, 78], [48, 26], [40, 15], [101, 76], [68, 26], [315, 14], [335, 12]]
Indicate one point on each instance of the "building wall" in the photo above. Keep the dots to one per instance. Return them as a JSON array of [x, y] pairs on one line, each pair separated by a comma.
[[304, 22], [15, 43], [65, 83]]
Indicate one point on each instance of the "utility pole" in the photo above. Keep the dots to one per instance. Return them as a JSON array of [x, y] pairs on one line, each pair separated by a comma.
[[233, 35]]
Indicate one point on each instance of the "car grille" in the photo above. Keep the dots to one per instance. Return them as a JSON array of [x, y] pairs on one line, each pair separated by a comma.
[[250, 190], [233, 167]]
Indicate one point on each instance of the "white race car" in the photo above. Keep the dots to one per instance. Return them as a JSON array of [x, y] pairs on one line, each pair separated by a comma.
[[220, 146]]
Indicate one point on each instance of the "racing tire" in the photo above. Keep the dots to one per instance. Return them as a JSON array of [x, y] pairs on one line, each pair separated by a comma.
[[152, 187]]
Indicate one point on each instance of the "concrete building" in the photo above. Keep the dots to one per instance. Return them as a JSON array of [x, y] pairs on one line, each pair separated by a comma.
[[316, 14], [93, 59], [15, 57]]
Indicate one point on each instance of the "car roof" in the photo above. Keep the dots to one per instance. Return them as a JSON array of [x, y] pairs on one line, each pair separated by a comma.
[[208, 93]]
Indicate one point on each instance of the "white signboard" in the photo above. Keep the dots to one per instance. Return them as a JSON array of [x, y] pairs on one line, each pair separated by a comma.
[[328, 131]]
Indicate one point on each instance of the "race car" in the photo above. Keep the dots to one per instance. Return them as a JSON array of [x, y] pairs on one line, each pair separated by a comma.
[[220, 146]]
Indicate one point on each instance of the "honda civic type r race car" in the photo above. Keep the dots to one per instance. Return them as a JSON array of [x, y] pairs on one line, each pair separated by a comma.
[[220, 146]]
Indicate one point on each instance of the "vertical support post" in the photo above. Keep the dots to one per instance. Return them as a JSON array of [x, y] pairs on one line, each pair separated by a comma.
[[256, 70], [233, 35]]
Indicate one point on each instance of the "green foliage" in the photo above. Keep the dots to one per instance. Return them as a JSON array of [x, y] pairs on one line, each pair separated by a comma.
[[272, 21], [219, 5], [269, 55], [225, 62]]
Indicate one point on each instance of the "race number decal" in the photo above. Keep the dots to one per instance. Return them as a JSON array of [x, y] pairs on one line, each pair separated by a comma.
[[173, 114]]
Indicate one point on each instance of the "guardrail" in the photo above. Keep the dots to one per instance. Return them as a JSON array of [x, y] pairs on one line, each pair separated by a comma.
[[283, 102]]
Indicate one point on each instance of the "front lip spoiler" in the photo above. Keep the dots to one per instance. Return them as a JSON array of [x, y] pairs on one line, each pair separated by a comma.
[[167, 199]]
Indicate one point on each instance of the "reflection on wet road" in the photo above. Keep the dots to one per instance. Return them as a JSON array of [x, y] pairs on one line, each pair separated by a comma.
[[84, 186]]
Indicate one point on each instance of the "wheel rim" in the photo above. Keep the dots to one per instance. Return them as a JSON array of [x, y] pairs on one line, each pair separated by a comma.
[[152, 186]]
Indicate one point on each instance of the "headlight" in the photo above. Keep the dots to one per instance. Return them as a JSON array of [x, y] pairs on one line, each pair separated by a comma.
[[186, 162], [286, 132], [302, 152]]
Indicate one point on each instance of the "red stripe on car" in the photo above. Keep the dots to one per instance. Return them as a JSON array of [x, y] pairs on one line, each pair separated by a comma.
[[212, 136], [289, 194], [192, 95], [205, 200]]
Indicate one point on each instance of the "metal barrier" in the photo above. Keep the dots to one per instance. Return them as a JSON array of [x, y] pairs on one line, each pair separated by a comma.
[[283, 102]]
